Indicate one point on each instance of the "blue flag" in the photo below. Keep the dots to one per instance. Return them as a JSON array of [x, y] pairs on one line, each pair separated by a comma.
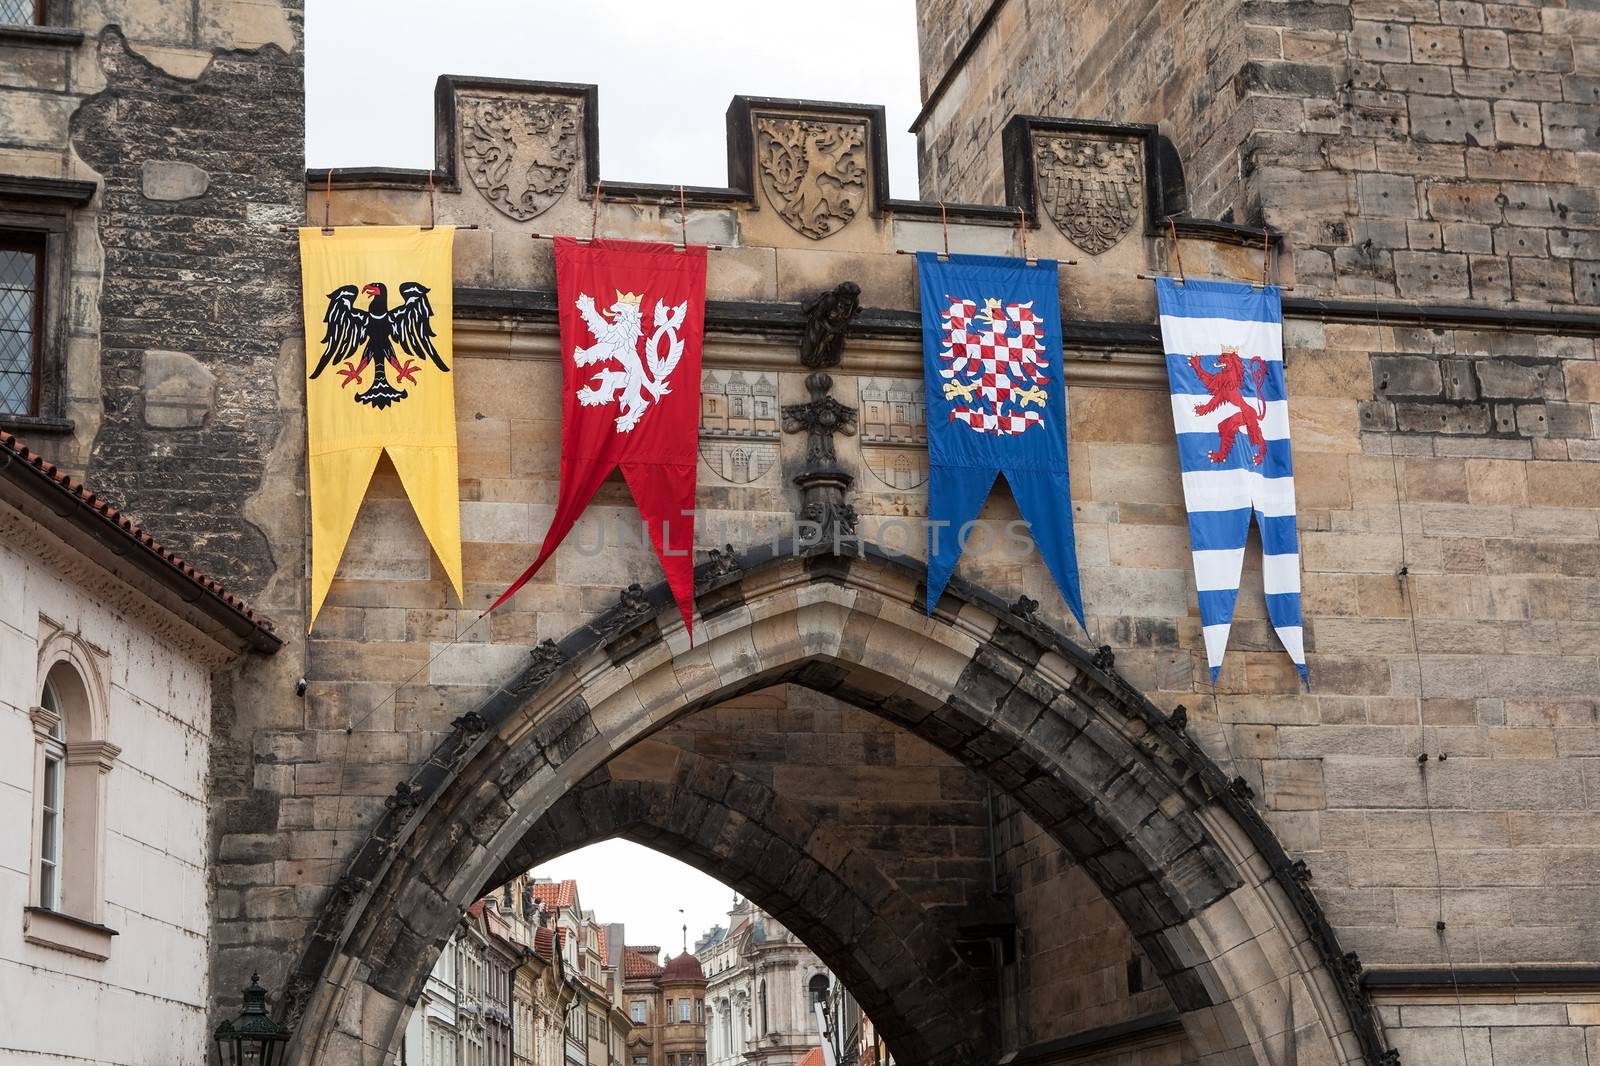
[[1224, 343], [991, 356]]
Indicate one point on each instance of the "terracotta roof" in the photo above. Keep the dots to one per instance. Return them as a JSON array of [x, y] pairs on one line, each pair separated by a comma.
[[683, 968], [544, 944], [100, 517], [811, 1058], [555, 894], [636, 963], [600, 940]]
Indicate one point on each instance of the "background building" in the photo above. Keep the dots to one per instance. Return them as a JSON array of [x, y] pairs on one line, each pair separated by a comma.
[[665, 1006], [498, 993], [108, 643], [761, 985]]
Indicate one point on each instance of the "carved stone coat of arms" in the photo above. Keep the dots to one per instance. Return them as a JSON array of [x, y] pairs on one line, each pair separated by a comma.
[[814, 173], [1091, 188], [520, 153]]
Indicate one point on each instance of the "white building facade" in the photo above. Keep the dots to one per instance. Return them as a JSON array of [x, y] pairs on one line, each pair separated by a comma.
[[759, 982], [107, 647]]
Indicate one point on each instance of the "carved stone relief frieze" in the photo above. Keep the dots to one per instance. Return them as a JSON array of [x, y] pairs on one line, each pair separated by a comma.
[[894, 432], [813, 172], [738, 424], [520, 153], [1091, 188]]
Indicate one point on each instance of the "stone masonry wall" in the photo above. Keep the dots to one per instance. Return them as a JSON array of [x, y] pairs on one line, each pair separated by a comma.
[[1078, 58], [1414, 149], [203, 293]]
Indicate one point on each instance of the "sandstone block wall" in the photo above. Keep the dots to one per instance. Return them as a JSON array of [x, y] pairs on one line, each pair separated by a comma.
[[1431, 151]]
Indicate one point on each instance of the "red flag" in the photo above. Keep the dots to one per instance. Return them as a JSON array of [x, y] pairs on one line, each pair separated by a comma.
[[632, 321]]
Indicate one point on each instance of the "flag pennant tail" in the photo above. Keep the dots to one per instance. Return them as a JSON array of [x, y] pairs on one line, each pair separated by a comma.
[[1045, 500], [961, 493], [632, 318], [579, 482], [996, 404], [666, 503], [1230, 412], [338, 482], [378, 308]]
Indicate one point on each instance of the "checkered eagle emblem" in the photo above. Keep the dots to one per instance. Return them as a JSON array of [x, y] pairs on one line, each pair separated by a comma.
[[992, 360]]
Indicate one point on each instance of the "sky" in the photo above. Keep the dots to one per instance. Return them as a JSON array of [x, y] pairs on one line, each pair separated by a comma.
[[666, 72], [626, 882]]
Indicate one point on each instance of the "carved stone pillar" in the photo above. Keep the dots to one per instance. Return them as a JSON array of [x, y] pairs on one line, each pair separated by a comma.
[[826, 515]]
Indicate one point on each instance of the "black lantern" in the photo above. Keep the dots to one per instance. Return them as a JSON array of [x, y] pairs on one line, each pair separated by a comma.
[[253, 1038]]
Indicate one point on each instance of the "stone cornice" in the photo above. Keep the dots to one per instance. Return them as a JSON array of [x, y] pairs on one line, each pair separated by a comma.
[[102, 753], [107, 583], [518, 325], [44, 721]]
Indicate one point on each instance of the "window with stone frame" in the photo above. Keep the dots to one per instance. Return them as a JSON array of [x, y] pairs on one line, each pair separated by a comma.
[[36, 220], [684, 1007], [636, 1012], [22, 274], [72, 760]]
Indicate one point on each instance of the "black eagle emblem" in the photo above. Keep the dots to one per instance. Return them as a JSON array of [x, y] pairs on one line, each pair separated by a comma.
[[380, 328]]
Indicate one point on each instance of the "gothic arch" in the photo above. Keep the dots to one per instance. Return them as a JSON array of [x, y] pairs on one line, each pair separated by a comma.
[[925, 999], [1223, 916]]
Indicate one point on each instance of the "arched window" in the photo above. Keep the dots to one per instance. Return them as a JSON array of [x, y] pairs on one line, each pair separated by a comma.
[[72, 758], [765, 1028], [51, 793], [818, 986]]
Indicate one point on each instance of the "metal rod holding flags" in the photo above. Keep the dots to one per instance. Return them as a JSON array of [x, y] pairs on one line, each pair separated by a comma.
[[1030, 260], [327, 231], [1180, 279], [587, 240]]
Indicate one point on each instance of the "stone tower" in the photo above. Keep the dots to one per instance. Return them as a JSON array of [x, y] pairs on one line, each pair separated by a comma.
[[1421, 151]]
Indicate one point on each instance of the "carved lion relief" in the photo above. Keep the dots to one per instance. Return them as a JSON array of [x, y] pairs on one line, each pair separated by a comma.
[[1091, 188], [814, 173], [520, 153]]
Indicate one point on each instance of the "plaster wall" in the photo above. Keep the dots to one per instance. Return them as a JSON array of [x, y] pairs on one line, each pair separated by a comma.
[[147, 1002]]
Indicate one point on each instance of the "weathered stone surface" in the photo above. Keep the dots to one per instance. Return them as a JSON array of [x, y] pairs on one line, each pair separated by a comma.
[[179, 390], [168, 180]]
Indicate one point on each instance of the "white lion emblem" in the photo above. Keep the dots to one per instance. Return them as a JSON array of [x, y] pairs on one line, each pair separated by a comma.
[[617, 332]]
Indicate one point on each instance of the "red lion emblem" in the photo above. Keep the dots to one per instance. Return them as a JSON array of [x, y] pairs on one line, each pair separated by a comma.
[[1224, 386]]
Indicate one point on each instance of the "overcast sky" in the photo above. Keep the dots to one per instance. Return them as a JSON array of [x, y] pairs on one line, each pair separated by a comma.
[[625, 882], [666, 72]]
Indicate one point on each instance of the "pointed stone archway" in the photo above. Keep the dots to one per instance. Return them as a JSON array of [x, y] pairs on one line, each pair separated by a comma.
[[1210, 896], [923, 996]]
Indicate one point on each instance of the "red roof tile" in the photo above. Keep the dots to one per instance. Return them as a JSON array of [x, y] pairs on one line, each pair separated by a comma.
[[636, 963], [683, 968], [600, 941], [544, 944], [120, 525], [811, 1058], [555, 894]]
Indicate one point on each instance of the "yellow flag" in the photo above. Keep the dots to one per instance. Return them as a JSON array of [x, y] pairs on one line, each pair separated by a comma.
[[379, 377]]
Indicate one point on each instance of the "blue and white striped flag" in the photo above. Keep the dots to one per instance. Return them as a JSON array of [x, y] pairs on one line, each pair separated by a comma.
[[1224, 344]]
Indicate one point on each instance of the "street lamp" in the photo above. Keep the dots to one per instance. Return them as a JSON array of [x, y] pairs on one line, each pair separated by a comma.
[[253, 1038]]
